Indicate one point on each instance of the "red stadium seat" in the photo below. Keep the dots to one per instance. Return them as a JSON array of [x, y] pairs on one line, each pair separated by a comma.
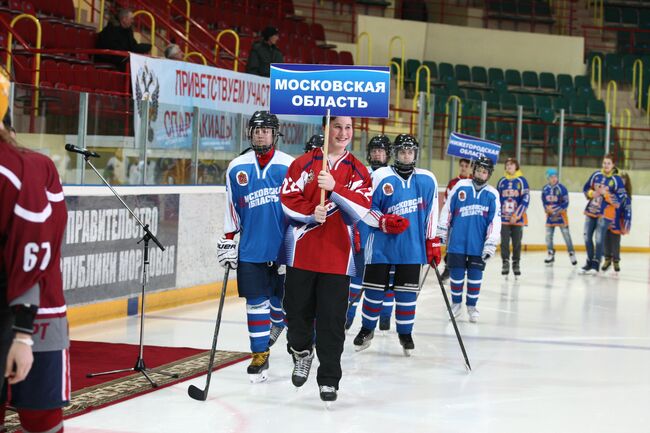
[[345, 58]]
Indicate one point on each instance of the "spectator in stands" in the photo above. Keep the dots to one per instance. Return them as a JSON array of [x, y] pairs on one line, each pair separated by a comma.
[[120, 38], [174, 52], [265, 52]]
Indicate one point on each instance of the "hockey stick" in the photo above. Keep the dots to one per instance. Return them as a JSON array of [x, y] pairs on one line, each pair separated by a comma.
[[193, 391], [326, 140], [451, 315]]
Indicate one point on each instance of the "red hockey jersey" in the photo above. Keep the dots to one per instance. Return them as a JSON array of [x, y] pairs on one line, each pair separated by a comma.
[[324, 247], [452, 183], [25, 240]]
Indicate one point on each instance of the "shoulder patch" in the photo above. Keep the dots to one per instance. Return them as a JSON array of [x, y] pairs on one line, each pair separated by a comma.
[[462, 195], [388, 189], [242, 178]]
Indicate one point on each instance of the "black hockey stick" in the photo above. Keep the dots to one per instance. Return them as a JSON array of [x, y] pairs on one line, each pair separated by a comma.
[[451, 315], [193, 391]]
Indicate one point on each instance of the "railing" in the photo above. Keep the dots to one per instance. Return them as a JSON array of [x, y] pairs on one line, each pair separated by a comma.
[[37, 73], [362, 36], [598, 38]]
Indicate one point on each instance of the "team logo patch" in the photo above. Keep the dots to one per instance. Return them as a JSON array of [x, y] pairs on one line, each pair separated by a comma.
[[310, 176], [242, 178], [462, 195], [388, 189]]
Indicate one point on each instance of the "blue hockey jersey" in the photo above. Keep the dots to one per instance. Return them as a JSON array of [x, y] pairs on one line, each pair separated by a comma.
[[605, 204], [415, 199], [470, 219], [515, 197], [555, 199], [253, 205]]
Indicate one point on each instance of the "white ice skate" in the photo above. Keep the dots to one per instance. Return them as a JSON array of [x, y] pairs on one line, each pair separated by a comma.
[[572, 257], [550, 257], [258, 370], [456, 309], [473, 314]]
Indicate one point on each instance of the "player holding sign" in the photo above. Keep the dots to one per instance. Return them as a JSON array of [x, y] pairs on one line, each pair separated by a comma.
[[320, 258], [470, 224], [403, 220], [253, 183]]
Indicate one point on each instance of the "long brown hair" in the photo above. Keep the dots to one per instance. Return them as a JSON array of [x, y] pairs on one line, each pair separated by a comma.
[[627, 182]]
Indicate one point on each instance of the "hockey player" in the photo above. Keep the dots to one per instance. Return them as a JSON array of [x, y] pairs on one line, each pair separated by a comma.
[[605, 192], [620, 226], [378, 154], [33, 357], [515, 197], [253, 182], [319, 248], [314, 141], [555, 199], [464, 172], [403, 222], [470, 224]]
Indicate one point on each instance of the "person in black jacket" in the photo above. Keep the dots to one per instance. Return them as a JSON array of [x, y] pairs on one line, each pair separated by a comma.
[[265, 52], [120, 37]]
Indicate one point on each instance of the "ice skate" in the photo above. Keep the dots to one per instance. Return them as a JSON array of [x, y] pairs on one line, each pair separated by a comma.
[[473, 314], [363, 339], [586, 269], [327, 394], [258, 369], [505, 267], [595, 267], [276, 331], [617, 266], [384, 323], [550, 257], [301, 366], [406, 340], [606, 264], [572, 257], [515, 268], [455, 309]]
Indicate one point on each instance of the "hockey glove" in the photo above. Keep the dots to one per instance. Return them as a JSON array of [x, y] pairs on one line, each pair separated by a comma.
[[433, 250], [227, 252], [393, 224], [489, 249]]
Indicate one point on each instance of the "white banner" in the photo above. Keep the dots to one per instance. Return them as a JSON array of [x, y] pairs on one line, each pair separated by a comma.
[[174, 88]]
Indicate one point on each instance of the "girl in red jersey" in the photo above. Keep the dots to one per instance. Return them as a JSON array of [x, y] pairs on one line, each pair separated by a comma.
[[320, 259]]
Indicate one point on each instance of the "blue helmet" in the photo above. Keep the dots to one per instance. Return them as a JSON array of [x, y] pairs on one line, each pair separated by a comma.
[[551, 172]]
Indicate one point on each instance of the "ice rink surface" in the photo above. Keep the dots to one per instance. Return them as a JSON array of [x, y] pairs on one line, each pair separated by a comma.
[[555, 351]]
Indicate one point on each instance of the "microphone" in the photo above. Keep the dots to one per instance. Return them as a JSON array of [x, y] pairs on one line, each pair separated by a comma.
[[85, 152]]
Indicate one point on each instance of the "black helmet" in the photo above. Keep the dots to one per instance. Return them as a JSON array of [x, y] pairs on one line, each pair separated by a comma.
[[483, 162], [263, 119], [378, 142], [316, 140], [405, 141]]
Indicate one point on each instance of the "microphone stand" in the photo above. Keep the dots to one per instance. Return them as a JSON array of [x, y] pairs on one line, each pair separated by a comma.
[[139, 366]]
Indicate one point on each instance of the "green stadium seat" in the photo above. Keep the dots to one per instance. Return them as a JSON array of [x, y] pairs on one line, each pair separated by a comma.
[[578, 106], [410, 67], [500, 86], [462, 73], [582, 81], [614, 72], [612, 59], [547, 114], [479, 75], [508, 102], [543, 101], [530, 79], [612, 15], [393, 69], [564, 80], [596, 108], [527, 102], [492, 99], [495, 74], [513, 77], [561, 103], [547, 81], [445, 70], [630, 16], [537, 131], [474, 95], [433, 67]]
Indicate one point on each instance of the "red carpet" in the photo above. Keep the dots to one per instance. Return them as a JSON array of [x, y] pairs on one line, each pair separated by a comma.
[[92, 357]]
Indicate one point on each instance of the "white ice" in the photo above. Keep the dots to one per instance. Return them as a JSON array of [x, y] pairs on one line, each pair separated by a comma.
[[555, 351]]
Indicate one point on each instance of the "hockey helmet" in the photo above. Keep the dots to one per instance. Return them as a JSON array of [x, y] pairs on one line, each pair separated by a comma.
[[378, 142], [551, 172], [482, 162], [316, 140], [263, 119], [402, 142]]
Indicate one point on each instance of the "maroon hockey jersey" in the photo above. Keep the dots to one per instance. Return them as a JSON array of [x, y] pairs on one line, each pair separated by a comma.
[[324, 247]]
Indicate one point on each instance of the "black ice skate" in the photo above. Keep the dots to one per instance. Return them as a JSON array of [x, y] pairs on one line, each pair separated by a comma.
[[586, 268], [550, 257], [617, 266], [327, 393], [301, 366], [606, 264], [515, 268], [406, 340], [384, 323], [363, 339], [258, 370], [505, 267], [276, 331], [572, 257]]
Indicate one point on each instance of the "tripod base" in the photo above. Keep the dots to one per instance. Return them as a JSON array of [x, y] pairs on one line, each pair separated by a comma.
[[138, 367]]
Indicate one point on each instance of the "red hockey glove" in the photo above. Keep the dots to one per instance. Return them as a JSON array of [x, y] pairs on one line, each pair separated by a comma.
[[433, 250], [357, 240], [393, 224]]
